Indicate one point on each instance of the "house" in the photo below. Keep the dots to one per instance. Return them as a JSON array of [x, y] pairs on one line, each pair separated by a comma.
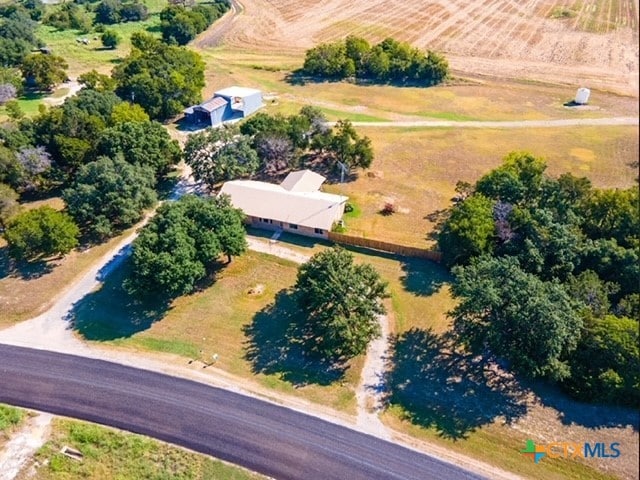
[[296, 205], [227, 105]]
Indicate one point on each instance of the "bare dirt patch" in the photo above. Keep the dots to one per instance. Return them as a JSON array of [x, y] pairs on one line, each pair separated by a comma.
[[597, 46]]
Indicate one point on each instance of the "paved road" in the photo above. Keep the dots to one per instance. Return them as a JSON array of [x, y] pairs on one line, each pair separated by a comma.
[[261, 436]]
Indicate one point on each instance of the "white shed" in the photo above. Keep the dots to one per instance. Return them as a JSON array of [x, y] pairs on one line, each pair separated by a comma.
[[582, 96]]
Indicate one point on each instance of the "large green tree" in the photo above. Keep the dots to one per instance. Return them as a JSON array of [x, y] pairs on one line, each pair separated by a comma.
[[531, 323], [349, 148], [44, 71], [182, 243], [606, 364], [140, 143], [40, 233], [70, 131], [108, 195], [163, 79], [219, 155], [468, 232], [341, 302]]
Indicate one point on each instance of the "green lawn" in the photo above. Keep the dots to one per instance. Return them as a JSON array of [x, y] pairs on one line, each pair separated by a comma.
[[112, 454], [10, 419], [248, 331]]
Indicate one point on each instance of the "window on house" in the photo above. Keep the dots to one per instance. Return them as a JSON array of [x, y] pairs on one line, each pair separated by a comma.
[[293, 226], [319, 231]]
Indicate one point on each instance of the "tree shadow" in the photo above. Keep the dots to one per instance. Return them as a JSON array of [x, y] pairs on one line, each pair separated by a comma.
[[277, 344], [111, 312], [298, 77], [438, 218], [574, 412], [441, 388], [423, 277], [23, 269]]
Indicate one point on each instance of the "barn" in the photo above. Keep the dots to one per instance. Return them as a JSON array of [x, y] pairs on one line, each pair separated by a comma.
[[296, 205], [227, 105]]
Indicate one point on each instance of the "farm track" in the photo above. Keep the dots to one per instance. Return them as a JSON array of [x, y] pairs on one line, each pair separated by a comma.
[[597, 47]]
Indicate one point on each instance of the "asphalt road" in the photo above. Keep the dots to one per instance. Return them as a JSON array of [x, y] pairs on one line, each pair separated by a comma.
[[258, 435]]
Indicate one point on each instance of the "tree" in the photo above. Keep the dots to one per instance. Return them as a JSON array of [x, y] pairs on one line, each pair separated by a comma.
[[140, 143], [34, 162], [162, 79], [13, 77], [468, 232], [518, 179], [219, 155], [109, 195], [349, 148], [126, 112], [329, 60], [69, 131], [93, 80], [606, 364], [8, 203], [612, 213], [7, 92], [108, 12], [40, 233], [182, 242], [44, 71], [341, 302], [531, 323], [110, 39], [133, 12], [275, 151], [13, 109]]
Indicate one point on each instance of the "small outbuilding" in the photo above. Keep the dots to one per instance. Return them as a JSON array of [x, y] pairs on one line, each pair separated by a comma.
[[296, 205], [227, 105], [582, 96]]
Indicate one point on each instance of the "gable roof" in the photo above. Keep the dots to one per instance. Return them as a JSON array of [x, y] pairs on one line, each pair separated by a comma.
[[236, 92], [312, 209], [302, 181], [212, 104]]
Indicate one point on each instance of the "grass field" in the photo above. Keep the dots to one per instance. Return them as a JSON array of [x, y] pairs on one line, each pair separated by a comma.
[[417, 169], [224, 319], [460, 99], [17, 286], [10, 420], [112, 454], [501, 446]]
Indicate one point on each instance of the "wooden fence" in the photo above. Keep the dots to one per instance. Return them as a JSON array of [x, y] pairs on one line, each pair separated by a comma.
[[385, 246]]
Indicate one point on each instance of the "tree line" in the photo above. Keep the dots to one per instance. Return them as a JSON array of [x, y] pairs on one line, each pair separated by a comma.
[[546, 275], [102, 154], [390, 61], [273, 144]]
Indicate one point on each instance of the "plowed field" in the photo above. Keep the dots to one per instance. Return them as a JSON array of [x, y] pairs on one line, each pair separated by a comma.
[[588, 42]]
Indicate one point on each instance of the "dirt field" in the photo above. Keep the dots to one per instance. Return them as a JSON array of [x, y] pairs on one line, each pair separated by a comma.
[[586, 42]]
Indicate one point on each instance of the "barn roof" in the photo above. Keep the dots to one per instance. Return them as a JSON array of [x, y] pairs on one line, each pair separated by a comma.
[[236, 92]]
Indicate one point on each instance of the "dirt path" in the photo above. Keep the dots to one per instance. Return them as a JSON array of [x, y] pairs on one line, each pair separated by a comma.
[[213, 36], [73, 86], [24, 444], [571, 122], [371, 389]]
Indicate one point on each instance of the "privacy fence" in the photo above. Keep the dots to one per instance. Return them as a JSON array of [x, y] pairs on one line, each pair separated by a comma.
[[343, 239]]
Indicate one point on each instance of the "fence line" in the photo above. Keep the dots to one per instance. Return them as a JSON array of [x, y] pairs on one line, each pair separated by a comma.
[[385, 246]]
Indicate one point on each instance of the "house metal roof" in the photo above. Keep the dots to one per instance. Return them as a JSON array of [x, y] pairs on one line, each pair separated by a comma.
[[309, 208]]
